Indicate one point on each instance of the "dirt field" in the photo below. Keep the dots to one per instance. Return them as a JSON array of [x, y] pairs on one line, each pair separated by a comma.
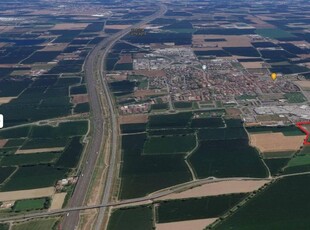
[[305, 85], [218, 188], [186, 225], [3, 142], [43, 150], [252, 65], [126, 58], [116, 27], [69, 26], [80, 98], [58, 200], [144, 93], [150, 73], [231, 41], [233, 112], [130, 119], [276, 142], [4, 100], [27, 194]]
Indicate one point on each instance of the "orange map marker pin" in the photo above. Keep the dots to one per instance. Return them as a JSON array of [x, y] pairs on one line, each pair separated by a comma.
[[274, 76]]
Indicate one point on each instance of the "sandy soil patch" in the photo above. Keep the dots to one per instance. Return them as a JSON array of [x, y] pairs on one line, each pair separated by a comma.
[[150, 73], [252, 65], [218, 188], [69, 26], [233, 112], [27, 194], [231, 41], [186, 225], [144, 93], [58, 200], [303, 84], [116, 27], [55, 47], [43, 150], [80, 98], [4, 100], [276, 142], [3, 142], [131, 119], [119, 77], [126, 58]]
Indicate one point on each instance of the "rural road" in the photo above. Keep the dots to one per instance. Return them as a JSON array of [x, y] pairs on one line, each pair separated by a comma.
[[155, 195], [94, 66]]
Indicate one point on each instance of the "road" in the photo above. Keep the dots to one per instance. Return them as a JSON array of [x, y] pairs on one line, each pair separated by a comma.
[[93, 68], [150, 197]]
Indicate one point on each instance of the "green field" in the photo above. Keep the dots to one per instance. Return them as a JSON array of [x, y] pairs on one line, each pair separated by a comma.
[[42, 224], [136, 218], [227, 158], [274, 33], [71, 156], [283, 154], [14, 142], [161, 106], [170, 121], [286, 130], [29, 159], [143, 174], [66, 129], [5, 172], [169, 145], [133, 128], [143, 80], [196, 208], [182, 105], [30, 204], [4, 227], [38, 143], [295, 97], [300, 162], [15, 132], [284, 205], [214, 122], [33, 177], [275, 165], [222, 134]]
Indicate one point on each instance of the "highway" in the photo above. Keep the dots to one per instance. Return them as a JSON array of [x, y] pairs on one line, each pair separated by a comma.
[[94, 73]]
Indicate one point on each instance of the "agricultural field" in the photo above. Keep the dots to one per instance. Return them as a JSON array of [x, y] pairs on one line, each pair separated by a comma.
[[227, 158], [4, 227], [38, 176], [295, 97], [136, 218], [196, 208], [32, 204], [38, 224], [5, 172], [207, 123], [273, 208], [154, 172], [179, 120], [169, 145], [300, 162]]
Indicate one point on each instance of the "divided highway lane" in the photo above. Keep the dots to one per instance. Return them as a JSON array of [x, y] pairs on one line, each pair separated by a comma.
[[93, 67]]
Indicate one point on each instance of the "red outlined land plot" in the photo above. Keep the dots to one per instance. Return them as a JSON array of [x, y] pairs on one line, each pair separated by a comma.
[[301, 126]]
